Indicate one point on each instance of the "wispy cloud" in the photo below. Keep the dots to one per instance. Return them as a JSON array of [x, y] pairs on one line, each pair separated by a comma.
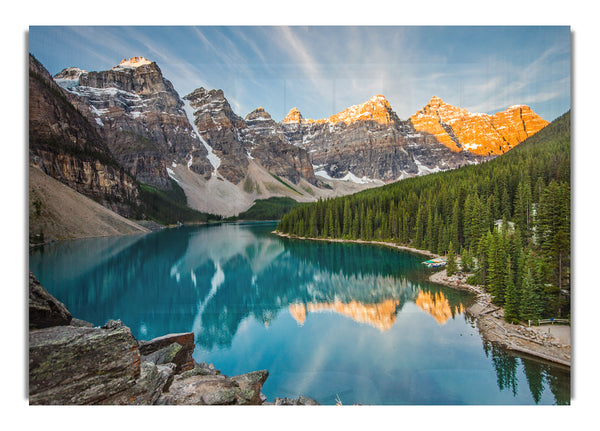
[[294, 46], [325, 69]]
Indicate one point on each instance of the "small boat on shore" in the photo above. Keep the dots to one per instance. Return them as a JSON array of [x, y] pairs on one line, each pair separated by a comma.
[[435, 263]]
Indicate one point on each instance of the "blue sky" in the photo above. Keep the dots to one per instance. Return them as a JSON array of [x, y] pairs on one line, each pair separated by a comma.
[[322, 70]]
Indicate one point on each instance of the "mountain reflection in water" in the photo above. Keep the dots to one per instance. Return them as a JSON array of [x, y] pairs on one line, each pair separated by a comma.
[[325, 319]]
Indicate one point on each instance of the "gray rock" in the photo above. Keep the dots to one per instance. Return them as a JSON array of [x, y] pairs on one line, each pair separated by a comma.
[[163, 356], [215, 390], [162, 350], [45, 310], [233, 139], [250, 385], [385, 151], [300, 401], [81, 323], [66, 146], [81, 365], [153, 380], [305, 401], [201, 369]]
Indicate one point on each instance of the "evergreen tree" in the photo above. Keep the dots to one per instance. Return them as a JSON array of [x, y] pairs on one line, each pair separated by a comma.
[[451, 267], [532, 304], [346, 231], [466, 261], [355, 226], [330, 226], [482, 259], [455, 225], [512, 298], [369, 225], [428, 242], [419, 228]]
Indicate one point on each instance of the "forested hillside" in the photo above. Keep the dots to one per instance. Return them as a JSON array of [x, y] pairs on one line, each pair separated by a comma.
[[509, 219]]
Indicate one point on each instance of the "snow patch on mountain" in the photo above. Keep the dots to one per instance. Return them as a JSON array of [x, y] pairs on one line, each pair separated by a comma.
[[319, 171], [424, 170], [132, 63], [214, 160]]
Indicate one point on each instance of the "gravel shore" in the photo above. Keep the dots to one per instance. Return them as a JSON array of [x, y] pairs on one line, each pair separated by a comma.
[[548, 342]]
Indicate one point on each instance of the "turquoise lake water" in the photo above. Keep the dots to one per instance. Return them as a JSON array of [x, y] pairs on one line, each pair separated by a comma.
[[355, 323]]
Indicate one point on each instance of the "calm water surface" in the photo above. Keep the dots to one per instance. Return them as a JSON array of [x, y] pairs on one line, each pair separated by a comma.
[[347, 322]]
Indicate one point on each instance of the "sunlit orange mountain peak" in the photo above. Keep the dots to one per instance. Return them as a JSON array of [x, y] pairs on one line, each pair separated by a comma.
[[481, 134], [377, 109], [294, 117], [133, 62]]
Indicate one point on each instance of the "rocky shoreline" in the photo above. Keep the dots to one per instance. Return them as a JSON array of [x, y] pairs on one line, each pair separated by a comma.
[[72, 362], [538, 341], [533, 341]]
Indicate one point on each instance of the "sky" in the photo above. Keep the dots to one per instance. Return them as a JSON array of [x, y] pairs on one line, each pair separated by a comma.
[[322, 70]]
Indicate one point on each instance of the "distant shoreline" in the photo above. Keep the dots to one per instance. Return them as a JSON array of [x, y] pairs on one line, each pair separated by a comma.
[[534, 341], [360, 241]]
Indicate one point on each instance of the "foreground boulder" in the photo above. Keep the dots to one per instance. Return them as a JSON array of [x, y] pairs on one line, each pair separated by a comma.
[[216, 389], [80, 365]]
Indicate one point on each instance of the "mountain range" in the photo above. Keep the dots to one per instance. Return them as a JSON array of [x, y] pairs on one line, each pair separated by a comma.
[[112, 134]]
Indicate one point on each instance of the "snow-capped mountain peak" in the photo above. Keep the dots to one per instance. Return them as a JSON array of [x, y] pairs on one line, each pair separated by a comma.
[[133, 62]]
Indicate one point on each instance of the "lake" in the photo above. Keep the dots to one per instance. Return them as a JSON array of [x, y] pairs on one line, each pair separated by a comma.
[[349, 323]]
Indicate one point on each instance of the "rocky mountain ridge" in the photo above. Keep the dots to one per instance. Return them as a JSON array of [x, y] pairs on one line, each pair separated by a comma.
[[480, 134], [196, 143], [237, 141], [140, 115], [377, 109], [369, 143]]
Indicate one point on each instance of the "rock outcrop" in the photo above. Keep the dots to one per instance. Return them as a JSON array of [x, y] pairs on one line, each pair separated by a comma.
[[480, 134], [300, 401], [64, 145], [73, 362], [44, 309], [81, 365], [215, 389], [266, 142]]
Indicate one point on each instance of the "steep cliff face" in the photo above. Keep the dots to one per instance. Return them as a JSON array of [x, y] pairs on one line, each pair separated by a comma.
[[64, 145], [141, 117], [266, 142], [369, 142], [220, 128], [480, 134], [234, 141]]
